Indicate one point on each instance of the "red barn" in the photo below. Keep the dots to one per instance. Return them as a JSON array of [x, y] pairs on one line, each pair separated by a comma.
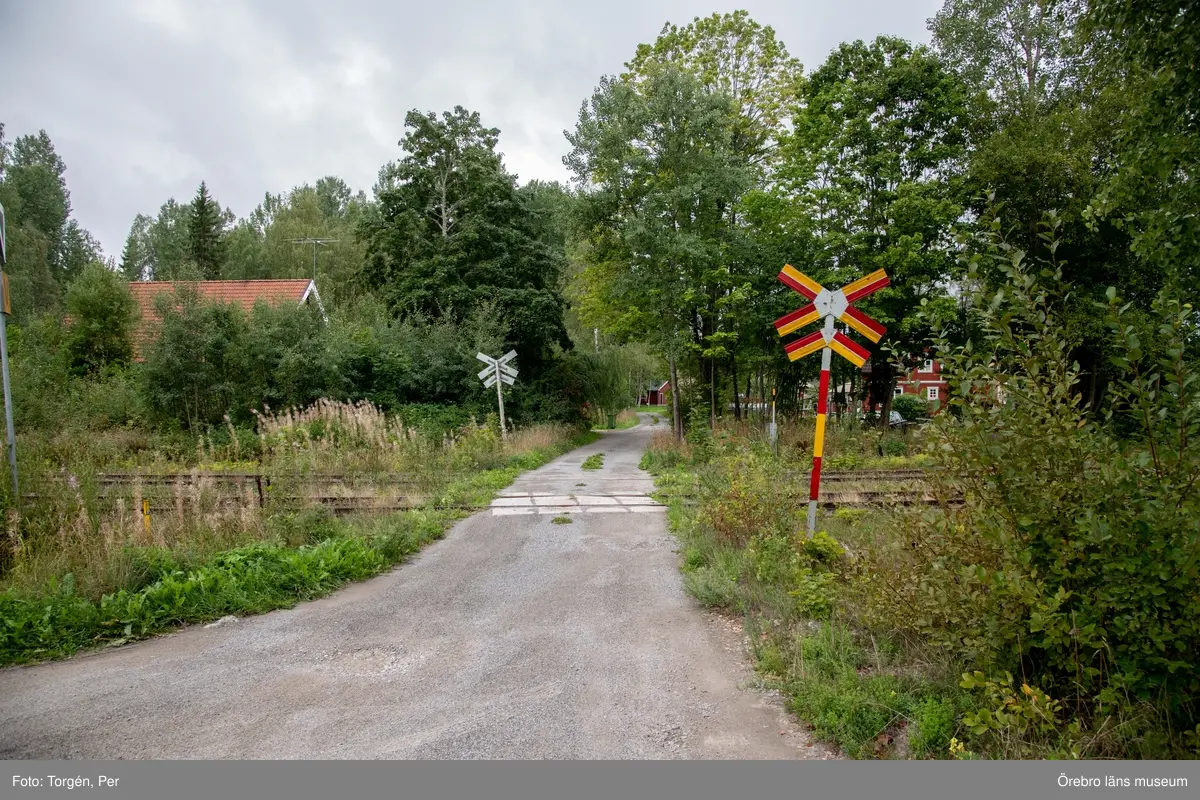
[[656, 397]]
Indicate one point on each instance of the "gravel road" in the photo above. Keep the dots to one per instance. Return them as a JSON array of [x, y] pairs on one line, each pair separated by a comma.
[[514, 637]]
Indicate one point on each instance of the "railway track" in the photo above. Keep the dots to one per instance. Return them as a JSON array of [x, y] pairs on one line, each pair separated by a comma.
[[867, 475], [417, 490]]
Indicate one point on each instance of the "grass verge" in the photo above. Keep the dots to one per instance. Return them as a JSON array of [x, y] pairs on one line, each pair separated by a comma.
[[309, 554], [835, 622]]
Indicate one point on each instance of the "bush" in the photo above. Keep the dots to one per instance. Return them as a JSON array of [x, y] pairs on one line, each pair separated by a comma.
[[102, 316], [911, 407], [1075, 559]]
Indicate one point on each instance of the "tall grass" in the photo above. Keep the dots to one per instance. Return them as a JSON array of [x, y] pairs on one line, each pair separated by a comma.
[[835, 620], [75, 525]]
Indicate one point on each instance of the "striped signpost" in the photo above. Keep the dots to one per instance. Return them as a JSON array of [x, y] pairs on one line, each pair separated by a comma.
[[832, 306]]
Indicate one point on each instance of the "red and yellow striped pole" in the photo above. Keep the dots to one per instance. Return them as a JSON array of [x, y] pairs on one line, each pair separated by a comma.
[[814, 487]]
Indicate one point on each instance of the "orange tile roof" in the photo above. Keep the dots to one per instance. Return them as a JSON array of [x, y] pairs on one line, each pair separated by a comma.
[[241, 293]]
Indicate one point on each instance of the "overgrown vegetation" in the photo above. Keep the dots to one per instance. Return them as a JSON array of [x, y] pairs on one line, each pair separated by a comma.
[[85, 570], [1051, 613], [593, 462]]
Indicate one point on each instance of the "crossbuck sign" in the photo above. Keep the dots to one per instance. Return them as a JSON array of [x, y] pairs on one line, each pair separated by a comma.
[[832, 306], [497, 373]]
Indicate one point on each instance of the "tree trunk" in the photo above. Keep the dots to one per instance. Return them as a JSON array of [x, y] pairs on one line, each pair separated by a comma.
[[737, 403], [677, 423], [712, 395], [885, 416]]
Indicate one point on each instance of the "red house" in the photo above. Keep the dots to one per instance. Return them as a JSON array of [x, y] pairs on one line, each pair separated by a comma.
[[656, 397], [925, 382]]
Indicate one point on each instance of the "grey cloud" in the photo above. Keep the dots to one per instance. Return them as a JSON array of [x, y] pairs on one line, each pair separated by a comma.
[[145, 99]]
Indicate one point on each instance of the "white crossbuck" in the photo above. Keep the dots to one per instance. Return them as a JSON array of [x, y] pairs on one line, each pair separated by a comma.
[[497, 368]]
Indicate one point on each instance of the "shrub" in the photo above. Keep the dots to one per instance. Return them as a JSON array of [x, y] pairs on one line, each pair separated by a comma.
[[102, 316], [744, 495], [911, 407], [1075, 559]]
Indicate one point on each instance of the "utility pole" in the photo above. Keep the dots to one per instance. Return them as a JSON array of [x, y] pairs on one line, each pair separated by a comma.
[[5, 310], [314, 241]]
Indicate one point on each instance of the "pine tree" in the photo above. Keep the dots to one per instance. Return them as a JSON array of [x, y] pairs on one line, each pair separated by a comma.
[[207, 234]]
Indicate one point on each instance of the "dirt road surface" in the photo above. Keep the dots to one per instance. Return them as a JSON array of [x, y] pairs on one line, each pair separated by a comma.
[[514, 637]]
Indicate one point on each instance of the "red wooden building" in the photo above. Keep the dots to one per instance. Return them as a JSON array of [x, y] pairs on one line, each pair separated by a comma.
[[656, 397], [925, 382]]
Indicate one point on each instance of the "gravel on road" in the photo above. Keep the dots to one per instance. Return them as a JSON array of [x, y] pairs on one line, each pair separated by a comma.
[[512, 638]]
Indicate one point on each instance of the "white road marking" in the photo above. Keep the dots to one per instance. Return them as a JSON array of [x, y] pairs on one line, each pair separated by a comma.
[[541, 504]]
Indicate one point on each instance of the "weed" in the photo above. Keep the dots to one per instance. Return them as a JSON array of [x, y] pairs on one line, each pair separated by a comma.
[[562, 520], [594, 462]]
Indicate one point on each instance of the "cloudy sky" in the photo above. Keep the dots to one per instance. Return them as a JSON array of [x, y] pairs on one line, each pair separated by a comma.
[[145, 98]]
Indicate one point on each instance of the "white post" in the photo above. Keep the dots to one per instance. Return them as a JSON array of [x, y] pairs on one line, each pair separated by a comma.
[[500, 401]]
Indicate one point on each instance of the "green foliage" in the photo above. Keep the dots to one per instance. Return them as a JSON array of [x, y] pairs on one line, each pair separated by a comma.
[[1149, 50], [46, 249], [912, 408], [594, 462], [251, 579], [206, 234], [452, 232], [195, 365], [102, 316], [934, 722], [1075, 558], [878, 133], [1018, 51]]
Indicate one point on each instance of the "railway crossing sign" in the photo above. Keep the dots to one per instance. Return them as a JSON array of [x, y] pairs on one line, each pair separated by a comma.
[[498, 372], [832, 307]]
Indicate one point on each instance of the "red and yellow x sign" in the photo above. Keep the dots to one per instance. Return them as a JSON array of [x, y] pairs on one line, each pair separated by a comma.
[[833, 306]]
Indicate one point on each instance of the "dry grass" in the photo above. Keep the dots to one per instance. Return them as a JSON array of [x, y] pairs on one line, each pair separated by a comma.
[[536, 437], [95, 532]]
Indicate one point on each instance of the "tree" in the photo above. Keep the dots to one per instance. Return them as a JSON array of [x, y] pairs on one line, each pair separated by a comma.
[[451, 231], [194, 370], [79, 248], [264, 244], [34, 195], [136, 256], [102, 318], [206, 234], [875, 162], [168, 239], [655, 167], [1153, 48], [1018, 51], [735, 56], [36, 174]]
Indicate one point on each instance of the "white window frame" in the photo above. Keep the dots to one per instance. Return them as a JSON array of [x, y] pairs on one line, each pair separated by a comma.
[[928, 365], [932, 393], [899, 390]]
